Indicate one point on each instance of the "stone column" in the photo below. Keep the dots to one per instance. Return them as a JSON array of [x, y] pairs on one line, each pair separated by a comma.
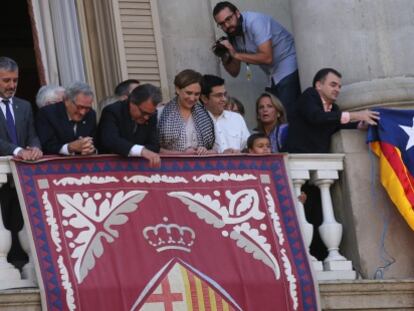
[[187, 36], [369, 42]]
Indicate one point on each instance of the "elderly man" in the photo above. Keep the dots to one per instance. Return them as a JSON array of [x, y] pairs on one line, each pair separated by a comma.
[[258, 39], [69, 127], [49, 94], [129, 127], [317, 117], [230, 128]]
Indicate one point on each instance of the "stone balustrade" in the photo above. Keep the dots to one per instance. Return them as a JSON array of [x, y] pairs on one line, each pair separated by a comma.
[[320, 169], [10, 276]]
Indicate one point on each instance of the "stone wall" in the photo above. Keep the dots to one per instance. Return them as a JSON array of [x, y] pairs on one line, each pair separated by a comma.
[[188, 31]]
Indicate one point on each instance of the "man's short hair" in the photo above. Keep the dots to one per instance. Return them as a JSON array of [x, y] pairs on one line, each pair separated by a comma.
[[321, 75], [222, 5], [48, 94], [208, 82], [145, 92], [8, 64], [76, 88], [122, 89], [253, 137]]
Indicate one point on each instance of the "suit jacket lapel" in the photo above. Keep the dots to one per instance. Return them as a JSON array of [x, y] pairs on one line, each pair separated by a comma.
[[129, 123], [81, 128], [4, 125], [84, 126], [18, 121], [63, 115]]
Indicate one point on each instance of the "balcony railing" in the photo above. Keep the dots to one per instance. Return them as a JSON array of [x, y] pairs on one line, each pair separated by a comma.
[[321, 170]]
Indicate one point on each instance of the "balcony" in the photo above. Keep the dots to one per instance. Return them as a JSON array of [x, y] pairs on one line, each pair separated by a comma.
[[336, 274]]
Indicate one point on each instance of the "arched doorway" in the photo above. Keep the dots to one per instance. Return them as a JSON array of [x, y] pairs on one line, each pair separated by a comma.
[[16, 39]]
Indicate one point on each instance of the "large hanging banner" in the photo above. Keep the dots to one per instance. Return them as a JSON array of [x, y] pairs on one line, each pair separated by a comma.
[[215, 233]]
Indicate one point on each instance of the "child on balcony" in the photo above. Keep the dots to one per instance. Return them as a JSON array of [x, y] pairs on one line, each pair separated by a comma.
[[259, 143]]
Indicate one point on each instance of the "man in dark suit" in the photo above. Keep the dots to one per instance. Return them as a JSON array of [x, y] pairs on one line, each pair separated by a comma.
[[18, 138], [316, 116], [129, 127], [315, 120], [17, 133], [69, 127]]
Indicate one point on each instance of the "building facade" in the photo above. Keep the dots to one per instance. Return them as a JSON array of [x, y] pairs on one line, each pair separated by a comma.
[[104, 42]]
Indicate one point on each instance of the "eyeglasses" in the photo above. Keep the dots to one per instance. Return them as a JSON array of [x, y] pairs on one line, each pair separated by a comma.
[[145, 113], [82, 108], [219, 95], [225, 21]]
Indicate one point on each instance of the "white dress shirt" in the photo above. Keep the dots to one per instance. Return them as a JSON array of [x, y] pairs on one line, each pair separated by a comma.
[[230, 130]]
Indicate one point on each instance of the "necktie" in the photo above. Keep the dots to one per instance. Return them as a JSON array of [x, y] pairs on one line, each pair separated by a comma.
[[11, 127], [74, 126]]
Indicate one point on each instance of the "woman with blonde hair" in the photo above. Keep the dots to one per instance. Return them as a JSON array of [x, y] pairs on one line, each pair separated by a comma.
[[184, 125], [271, 120]]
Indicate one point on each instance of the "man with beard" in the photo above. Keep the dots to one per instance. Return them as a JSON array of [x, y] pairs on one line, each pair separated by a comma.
[[17, 135], [18, 138], [255, 38]]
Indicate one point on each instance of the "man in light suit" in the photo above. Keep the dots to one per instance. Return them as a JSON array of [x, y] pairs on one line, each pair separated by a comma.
[[69, 127], [18, 138], [129, 127]]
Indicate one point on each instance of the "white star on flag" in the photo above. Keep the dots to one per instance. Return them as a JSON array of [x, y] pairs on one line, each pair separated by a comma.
[[410, 133]]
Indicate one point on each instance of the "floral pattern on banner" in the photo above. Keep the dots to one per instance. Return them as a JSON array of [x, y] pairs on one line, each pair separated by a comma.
[[113, 234]]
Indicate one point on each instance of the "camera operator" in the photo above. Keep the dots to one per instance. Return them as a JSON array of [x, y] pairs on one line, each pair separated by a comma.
[[256, 38]]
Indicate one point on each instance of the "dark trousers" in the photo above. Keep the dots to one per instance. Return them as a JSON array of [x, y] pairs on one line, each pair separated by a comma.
[[313, 212], [13, 221], [287, 91]]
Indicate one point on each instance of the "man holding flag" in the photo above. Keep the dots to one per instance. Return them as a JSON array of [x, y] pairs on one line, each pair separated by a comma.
[[316, 116]]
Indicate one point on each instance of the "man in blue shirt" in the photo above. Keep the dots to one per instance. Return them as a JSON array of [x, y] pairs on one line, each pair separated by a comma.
[[258, 39]]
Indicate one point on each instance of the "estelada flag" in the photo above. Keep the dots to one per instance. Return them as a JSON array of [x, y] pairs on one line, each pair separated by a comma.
[[393, 142]]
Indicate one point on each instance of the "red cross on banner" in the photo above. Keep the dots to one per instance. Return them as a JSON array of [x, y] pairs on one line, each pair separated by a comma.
[[215, 233], [166, 297]]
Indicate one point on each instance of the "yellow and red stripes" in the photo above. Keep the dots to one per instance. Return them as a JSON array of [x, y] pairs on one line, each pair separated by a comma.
[[396, 179], [200, 296]]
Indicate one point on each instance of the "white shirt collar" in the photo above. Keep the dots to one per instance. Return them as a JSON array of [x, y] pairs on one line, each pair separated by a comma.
[[10, 99], [223, 115]]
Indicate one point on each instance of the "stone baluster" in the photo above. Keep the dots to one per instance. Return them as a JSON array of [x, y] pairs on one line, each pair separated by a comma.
[[299, 177], [28, 271], [9, 275], [330, 230]]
